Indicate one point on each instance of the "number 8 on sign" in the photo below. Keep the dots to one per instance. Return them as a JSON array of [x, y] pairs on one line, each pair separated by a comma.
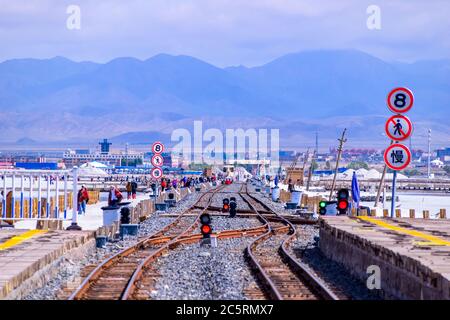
[[157, 147], [400, 100]]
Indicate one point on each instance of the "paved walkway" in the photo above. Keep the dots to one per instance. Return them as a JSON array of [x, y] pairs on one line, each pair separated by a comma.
[[22, 260]]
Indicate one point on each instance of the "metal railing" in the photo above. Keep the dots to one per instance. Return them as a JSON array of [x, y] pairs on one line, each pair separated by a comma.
[[38, 188]]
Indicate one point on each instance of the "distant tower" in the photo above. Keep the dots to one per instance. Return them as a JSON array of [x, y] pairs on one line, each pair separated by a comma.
[[429, 154], [317, 142], [105, 145]]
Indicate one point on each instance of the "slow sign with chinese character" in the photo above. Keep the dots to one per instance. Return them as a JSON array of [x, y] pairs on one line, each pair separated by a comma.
[[156, 173], [397, 156]]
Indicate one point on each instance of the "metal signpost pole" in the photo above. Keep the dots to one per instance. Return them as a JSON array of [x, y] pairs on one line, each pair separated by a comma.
[[393, 194]]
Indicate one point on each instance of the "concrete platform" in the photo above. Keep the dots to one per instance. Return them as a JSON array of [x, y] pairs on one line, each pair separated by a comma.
[[91, 220], [27, 257], [413, 254]]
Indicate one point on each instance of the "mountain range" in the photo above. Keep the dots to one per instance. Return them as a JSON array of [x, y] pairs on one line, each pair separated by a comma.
[[324, 90]]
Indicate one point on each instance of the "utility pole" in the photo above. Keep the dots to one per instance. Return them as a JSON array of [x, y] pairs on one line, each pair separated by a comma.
[[381, 182], [305, 160], [341, 144], [310, 171], [429, 154], [317, 142]]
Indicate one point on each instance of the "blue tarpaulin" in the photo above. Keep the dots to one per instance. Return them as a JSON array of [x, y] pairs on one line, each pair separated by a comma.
[[37, 165]]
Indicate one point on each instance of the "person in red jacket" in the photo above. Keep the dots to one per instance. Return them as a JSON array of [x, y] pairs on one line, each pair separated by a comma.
[[115, 196], [163, 185], [83, 199]]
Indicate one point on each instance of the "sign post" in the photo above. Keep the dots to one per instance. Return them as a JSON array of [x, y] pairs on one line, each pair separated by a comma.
[[394, 179], [398, 128], [157, 160]]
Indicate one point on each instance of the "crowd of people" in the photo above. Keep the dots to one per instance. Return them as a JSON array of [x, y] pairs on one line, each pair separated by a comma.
[[132, 183], [167, 183]]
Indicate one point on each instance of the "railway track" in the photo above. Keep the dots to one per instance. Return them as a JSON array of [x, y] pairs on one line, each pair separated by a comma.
[[129, 274], [110, 279], [281, 275]]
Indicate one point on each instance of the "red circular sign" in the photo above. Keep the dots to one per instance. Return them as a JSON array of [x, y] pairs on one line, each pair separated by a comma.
[[157, 160], [400, 100], [398, 127], [394, 156], [156, 173], [157, 147]]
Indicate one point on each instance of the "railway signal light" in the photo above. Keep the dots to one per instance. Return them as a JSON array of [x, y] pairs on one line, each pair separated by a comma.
[[327, 208], [323, 207], [342, 201], [226, 205], [205, 228], [233, 206]]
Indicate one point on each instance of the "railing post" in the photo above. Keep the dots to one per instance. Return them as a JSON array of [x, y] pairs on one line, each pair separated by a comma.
[[4, 197], [65, 195], [22, 188], [30, 215], [74, 225], [57, 197], [13, 196], [39, 208], [47, 212]]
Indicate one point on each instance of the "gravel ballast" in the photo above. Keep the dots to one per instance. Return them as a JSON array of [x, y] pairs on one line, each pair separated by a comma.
[[71, 270], [204, 273], [336, 278]]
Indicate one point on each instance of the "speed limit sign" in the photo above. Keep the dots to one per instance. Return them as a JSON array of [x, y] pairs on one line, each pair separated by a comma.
[[157, 147], [400, 100], [156, 173]]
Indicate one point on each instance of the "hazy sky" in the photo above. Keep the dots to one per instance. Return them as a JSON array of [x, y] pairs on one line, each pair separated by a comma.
[[233, 32]]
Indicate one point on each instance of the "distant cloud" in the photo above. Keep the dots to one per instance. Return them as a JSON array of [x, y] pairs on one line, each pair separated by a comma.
[[223, 32]]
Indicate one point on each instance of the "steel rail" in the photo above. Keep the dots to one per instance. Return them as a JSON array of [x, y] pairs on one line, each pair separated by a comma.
[[139, 271], [105, 264], [314, 283]]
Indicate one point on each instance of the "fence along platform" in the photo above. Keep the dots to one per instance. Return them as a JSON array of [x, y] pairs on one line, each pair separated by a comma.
[[39, 195]]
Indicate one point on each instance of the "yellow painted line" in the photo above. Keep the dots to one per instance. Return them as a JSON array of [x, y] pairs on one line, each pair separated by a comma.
[[20, 238], [431, 240]]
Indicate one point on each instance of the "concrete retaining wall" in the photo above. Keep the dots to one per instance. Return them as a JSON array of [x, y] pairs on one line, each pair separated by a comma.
[[402, 277]]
